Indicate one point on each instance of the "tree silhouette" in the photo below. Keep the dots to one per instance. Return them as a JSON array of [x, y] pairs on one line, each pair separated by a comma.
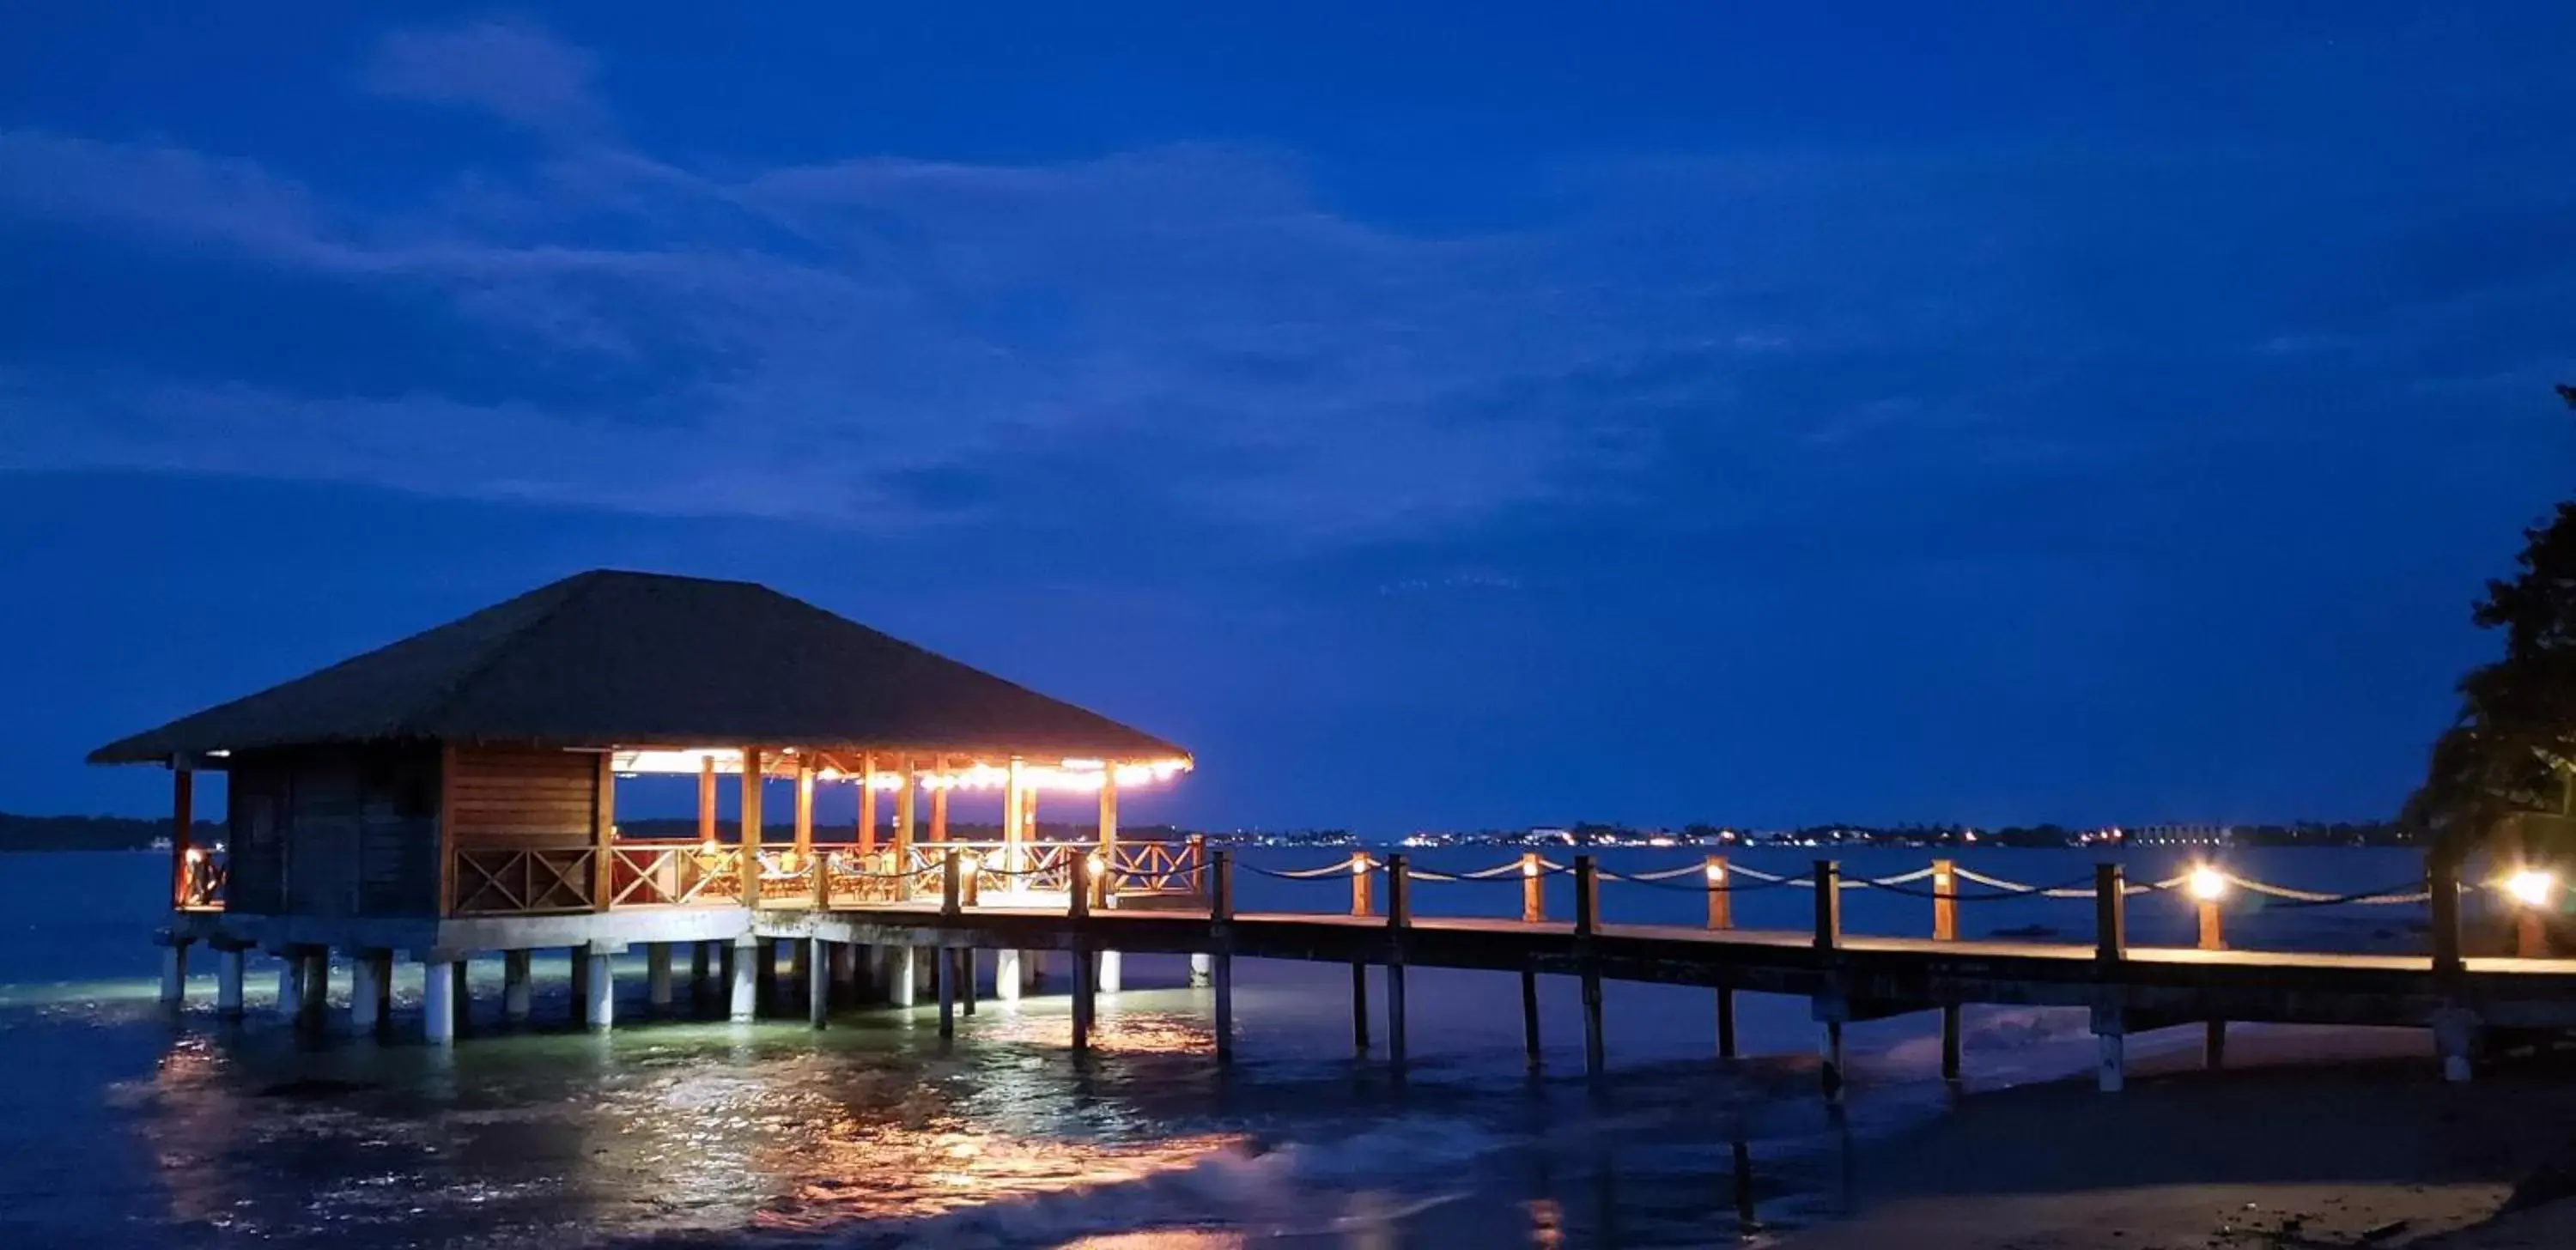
[[2503, 777]]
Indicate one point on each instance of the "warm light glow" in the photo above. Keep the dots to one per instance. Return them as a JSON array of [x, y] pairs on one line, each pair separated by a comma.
[[2531, 887], [1096, 862], [1529, 868], [2207, 883], [1359, 863], [194, 855], [966, 861], [1717, 874]]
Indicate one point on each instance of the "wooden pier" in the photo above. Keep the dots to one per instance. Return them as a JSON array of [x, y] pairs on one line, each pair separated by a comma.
[[1846, 978]]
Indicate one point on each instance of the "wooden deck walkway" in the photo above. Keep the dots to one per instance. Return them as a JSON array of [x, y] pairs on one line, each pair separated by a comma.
[[1846, 977]]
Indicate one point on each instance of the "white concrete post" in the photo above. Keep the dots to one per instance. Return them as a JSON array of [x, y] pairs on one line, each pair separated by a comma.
[[818, 982], [438, 998], [1201, 965], [744, 1000], [290, 983], [174, 972], [1110, 976], [517, 986], [228, 982], [845, 970], [2110, 1030], [601, 1010], [657, 973], [367, 991], [903, 983], [1006, 975]]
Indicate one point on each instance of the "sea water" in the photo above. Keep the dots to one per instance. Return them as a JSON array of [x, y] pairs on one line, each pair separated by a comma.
[[125, 1124]]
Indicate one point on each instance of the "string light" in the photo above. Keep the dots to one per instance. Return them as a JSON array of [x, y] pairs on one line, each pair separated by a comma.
[[2531, 887], [2207, 883]]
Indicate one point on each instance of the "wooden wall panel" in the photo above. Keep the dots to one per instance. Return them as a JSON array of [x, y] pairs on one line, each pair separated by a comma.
[[523, 798]]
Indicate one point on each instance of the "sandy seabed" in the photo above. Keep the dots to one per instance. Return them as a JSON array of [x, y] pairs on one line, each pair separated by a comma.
[[2310, 1138]]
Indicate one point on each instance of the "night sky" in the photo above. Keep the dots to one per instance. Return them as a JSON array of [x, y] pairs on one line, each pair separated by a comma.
[[1754, 413]]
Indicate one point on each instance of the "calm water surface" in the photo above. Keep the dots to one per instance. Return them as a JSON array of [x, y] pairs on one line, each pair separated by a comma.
[[122, 1124]]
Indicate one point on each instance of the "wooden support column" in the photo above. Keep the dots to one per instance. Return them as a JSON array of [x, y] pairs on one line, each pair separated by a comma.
[[517, 992], [1533, 889], [868, 811], [1078, 906], [939, 800], [1013, 810], [1529, 1018], [752, 767], [2110, 947], [1587, 923], [804, 808], [903, 799], [706, 799], [1221, 929], [603, 833], [1109, 814], [1945, 901], [1399, 915], [183, 822]]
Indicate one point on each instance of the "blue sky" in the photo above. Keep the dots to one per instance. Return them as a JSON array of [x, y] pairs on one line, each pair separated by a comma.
[[1752, 413]]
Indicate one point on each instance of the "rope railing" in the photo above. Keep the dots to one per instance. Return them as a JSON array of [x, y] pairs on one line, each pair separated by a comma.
[[1741, 878]]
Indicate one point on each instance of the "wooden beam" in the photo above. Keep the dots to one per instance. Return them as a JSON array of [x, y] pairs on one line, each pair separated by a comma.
[[903, 803], [603, 832], [183, 819]]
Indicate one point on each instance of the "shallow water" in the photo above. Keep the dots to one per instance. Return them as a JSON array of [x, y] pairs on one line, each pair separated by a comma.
[[122, 1124]]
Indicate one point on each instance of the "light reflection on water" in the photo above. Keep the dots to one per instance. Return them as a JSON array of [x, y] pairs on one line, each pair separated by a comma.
[[119, 1127]]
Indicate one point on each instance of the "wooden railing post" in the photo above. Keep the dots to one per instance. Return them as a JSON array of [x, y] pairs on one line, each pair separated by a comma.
[[1721, 899], [1945, 901], [1359, 883], [183, 821], [823, 881], [1399, 892], [951, 889], [1533, 890], [1197, 875], [2211, 938], [1829, 904], [2110, 914], [1587, 896], [2442, 879], [1220, 886]]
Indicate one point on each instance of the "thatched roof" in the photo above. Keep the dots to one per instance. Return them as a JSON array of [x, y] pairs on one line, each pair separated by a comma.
[[640, 659]]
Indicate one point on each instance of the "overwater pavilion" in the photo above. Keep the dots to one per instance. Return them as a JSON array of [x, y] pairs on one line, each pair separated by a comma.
[[456, 792]]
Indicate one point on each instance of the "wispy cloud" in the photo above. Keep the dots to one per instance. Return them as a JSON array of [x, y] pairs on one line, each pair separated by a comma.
[[1194, 337], [513, 70]]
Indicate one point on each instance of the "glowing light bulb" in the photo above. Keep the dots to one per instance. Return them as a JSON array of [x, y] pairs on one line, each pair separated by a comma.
[[1529, 868], [2207, 883], [2531, 887], [1359, 863], [1717, 874]]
